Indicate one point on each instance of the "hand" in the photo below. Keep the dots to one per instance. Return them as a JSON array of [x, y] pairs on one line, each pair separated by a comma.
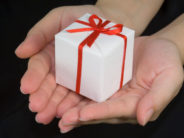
[[157, 78], [39, 80]]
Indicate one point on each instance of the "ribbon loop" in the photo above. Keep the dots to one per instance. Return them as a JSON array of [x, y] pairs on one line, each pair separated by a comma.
[[116, 29], [92, 21]]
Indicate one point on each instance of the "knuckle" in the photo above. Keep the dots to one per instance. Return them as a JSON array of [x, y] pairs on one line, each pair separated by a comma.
[[55, 11], [55, 100], [45, 92], [61, 94], [38, 60], [51, 80], [34, 60], [74, 97], [58, 96], [49, 84]]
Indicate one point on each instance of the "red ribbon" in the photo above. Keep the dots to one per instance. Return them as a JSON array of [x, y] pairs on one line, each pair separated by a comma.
[[97, 28]]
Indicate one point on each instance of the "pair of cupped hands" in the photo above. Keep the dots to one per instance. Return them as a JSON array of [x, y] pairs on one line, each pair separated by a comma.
[[157, 78]]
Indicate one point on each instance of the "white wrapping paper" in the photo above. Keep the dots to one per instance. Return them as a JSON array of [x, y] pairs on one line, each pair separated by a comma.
[[101, 64]]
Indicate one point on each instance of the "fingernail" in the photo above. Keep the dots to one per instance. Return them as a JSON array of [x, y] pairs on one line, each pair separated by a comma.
[[65, 130], [147, 116], [37, 120], [31, 108], [60, 113], [83, 119], [18, 47], [22, 90], [68, 124], [58, 117]]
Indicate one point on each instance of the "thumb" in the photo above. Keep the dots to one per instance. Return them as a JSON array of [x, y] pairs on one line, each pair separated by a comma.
[[164, 88], [41, 34]]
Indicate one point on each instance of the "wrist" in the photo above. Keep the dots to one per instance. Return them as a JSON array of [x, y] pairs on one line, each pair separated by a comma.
[[173, 42], [117, 16], [133, 14], [174, 33]]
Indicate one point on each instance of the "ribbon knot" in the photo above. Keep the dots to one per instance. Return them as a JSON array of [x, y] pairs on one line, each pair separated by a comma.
[[97, 26]]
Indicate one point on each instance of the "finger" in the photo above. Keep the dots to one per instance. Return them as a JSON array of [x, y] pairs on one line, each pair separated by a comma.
[[110, 121], [41, 34], [38, 67], [49, 112], [65, 129], [71, 118], [70, 101], [164, 89], [40, 98], [124, 106]]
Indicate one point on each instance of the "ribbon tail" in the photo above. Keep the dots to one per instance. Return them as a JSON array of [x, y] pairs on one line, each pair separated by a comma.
[[123, 61], [92, 38], [79, 65]]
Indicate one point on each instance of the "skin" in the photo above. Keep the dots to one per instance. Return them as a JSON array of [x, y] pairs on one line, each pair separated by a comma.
[[171, 31], [139, 12], [143, 99]]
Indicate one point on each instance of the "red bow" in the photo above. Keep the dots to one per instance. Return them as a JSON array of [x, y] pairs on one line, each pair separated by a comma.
[[97, 28]]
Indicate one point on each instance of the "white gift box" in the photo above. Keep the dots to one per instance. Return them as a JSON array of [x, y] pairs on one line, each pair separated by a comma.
[[101, 70]]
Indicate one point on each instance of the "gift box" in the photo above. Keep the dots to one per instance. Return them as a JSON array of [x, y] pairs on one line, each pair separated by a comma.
[[94, 57]]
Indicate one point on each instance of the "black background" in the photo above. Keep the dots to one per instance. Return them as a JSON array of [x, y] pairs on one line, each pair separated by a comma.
[[16, 121]]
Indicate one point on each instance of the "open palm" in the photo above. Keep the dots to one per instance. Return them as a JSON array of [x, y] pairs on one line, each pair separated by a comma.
[[39, 79], [157, 78]]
